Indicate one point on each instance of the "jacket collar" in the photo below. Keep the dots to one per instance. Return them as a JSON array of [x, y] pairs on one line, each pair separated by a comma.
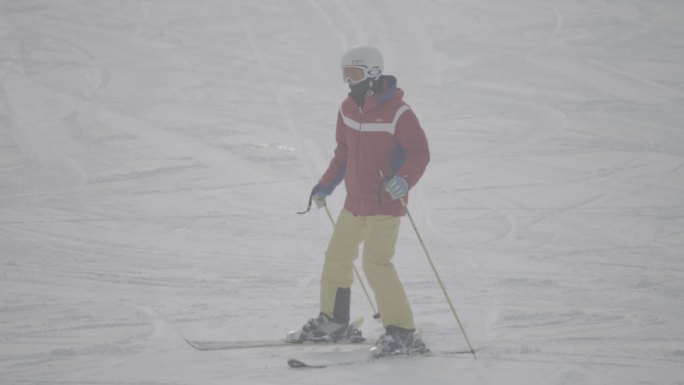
[[382, 92]]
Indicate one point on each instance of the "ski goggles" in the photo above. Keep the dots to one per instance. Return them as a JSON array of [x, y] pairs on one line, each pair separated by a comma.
[[357, 74], [353, 75]]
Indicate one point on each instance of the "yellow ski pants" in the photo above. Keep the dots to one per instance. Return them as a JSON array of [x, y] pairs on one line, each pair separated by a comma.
[[378, 233]]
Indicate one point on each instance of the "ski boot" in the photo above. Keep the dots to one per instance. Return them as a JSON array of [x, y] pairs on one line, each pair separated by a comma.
[[396, 341], [324, 329]]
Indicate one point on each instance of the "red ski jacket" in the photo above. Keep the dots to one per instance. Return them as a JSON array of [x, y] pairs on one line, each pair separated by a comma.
[[382, 139]]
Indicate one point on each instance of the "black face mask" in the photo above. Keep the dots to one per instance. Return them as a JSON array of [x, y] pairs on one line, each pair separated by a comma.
[[360, 90]]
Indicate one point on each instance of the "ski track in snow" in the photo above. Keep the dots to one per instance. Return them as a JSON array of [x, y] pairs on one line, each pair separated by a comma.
[[153, 156]]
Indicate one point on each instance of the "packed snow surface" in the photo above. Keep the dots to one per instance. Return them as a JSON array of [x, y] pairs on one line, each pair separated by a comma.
[[153, 156]]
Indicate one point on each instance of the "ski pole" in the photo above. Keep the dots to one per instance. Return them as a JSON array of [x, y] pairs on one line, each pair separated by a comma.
[[439, 280], [376, 314]]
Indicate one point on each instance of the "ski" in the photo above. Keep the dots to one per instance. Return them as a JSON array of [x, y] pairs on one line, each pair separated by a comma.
[[255, 344], [292, 340], [299, 364]]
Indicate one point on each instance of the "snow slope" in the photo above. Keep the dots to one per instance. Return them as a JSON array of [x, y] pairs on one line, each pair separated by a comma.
[[153, 155]]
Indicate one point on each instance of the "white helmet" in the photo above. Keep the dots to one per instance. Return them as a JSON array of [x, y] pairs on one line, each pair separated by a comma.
[[366, 57]]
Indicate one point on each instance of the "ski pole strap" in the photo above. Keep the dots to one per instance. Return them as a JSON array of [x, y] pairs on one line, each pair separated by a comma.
[[379, 193], [314, 190], [381, 186], [308, 207]]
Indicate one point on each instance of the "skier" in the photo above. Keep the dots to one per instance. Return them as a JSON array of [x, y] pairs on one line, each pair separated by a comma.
[[381, 153]]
